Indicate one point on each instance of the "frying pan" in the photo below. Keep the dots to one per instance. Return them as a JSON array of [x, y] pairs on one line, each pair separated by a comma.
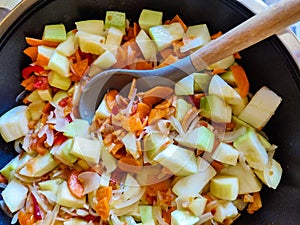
[[266, 63]]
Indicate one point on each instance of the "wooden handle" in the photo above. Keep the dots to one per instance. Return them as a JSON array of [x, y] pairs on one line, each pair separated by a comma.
[[253, 30]]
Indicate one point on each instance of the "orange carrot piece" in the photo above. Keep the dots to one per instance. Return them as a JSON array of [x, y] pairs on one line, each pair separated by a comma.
[[161, 186], [102, 208], [80, 67], [141, 65], [28, 83], [237, 55], [166, 214], [110, 98], [25, 218], [136, 29], [218, 71], [216, 35], [103, 196], [3, 180], [129, 164], [74, 184], [157, 114], [143, 110], [135, 123], [104, 192], [42, 60], [37, 42], [241, 80], [32, 52], [179, 20], [218, 166], [256, 204], [157, 94], [168, 61], [163, 105]]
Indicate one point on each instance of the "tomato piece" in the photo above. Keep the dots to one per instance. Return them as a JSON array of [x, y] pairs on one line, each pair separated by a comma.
[[74, 184], [28, 71]]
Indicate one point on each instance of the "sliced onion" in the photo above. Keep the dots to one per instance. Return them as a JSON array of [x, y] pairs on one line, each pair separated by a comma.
[[90, 180], [231, 136], [82, 212], [204, 218], [163, 127], [61, 124], [27, 179], [242, 160], [50, 217], [49, 134], [158, 215], [17, 145], [132, 200], [176, 125], [128, 210], [189, 117], [115, 220], [15, 218]]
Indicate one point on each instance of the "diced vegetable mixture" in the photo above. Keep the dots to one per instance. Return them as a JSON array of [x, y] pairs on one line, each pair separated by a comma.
[[190, 154]]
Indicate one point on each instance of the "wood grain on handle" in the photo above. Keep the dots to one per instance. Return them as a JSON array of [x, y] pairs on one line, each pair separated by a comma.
[[253, 30]]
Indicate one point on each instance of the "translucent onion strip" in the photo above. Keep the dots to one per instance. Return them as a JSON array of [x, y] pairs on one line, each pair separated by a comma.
[[90, 180]]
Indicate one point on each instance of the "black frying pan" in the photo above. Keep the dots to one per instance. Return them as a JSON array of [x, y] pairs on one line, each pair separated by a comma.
[[267, 63]]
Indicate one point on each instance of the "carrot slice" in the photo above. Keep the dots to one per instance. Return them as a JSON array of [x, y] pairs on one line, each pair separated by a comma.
[[256, 204], [218, 71], [32, 52], [42, 60], [129, 164], [74, 184], [179, 20], [168, 61], [157, 114], [241, 80], [135, 123], [37, 42], [218, 166], [237, 55], [80, 67], [25, 218], [216, 35], [143, 110], [110, 98], [136, 29], [104, 192], [103, 196]]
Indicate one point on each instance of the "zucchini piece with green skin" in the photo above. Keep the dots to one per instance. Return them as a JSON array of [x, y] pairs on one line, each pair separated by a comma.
[[225, 187], [150, 18], [55, 32], [271, 175], [164, 35], [115, 19], [14, 195], [91, 26], [255, 153], [14, 123], [261, 108], [199, 138], [215, 108], [183, 217], [178, 160]]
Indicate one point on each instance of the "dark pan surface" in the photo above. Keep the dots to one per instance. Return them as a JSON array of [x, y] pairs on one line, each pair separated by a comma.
[[267, 63]]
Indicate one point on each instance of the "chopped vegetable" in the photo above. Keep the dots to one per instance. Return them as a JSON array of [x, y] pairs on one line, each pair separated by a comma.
[[159, 155]]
